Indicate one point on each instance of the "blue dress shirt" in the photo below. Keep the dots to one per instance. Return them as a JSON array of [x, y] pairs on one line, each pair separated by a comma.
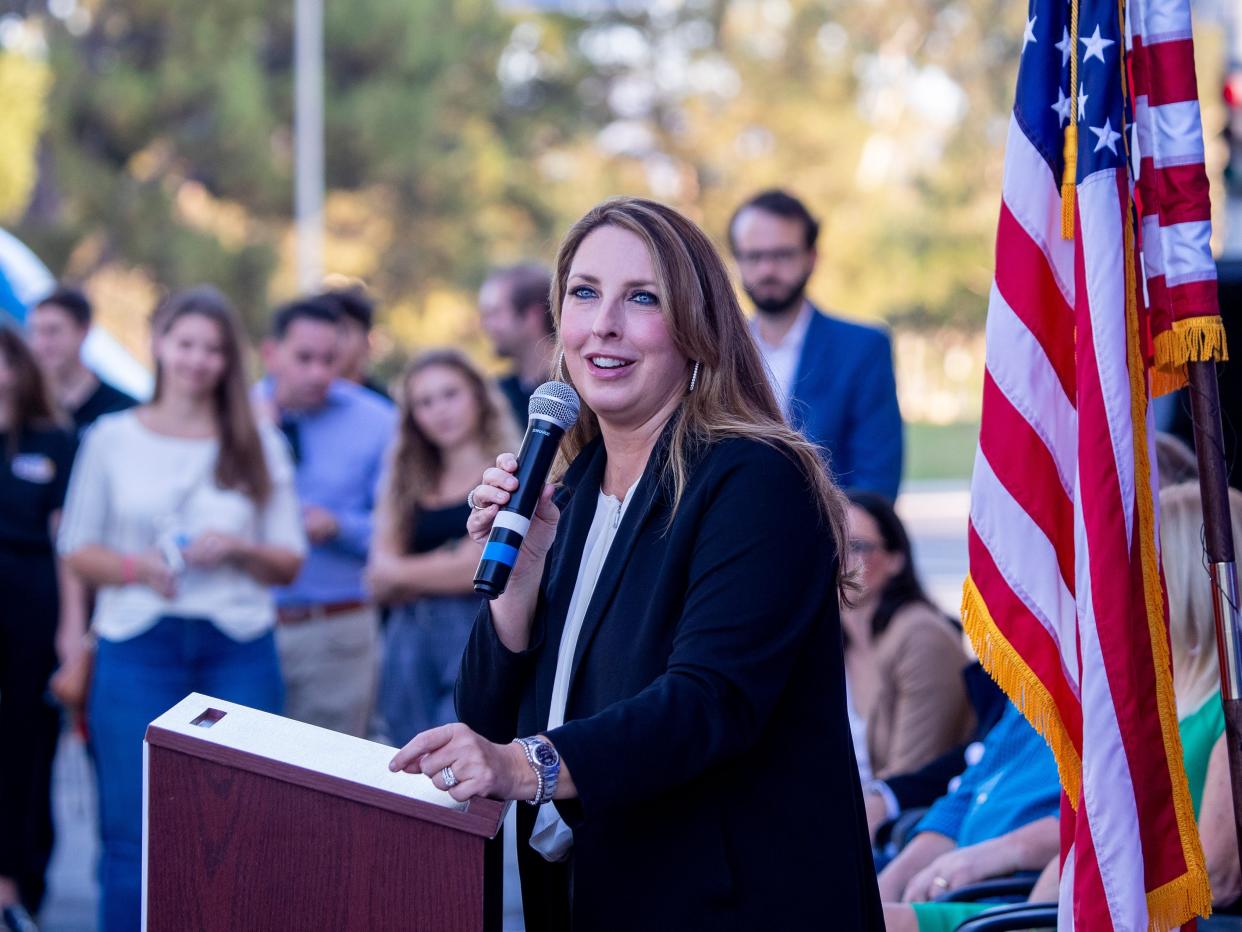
[[339, 450], [1012, 784]]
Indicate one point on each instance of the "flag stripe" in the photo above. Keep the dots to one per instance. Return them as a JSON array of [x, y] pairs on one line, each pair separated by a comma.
[[1032, 196], [1165, 133], [1024, 561], [1035, 388], [1021, 461], [1055, 666], [1189, 186], [1031, 292], [1111, 820], [1170, 69]]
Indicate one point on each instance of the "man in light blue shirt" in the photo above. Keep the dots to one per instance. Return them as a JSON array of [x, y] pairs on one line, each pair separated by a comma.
[[339, 433]]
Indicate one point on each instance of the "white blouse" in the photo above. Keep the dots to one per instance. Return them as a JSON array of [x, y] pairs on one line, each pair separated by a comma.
[[551, 837], [133, 490]]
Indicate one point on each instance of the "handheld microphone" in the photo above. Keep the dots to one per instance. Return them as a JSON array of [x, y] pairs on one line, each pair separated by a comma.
[[553, 409]]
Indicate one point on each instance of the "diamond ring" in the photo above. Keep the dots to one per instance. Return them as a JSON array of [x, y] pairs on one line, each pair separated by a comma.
[[449, 778]]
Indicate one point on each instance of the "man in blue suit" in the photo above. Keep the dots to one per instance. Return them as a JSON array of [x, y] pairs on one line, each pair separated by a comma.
[[835, 378]]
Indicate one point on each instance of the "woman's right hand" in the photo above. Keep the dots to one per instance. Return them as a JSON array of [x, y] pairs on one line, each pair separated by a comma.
[[152, 570], [499, 483]]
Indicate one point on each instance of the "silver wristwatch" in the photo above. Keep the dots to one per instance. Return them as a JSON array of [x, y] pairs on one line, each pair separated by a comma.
[[546, 763]]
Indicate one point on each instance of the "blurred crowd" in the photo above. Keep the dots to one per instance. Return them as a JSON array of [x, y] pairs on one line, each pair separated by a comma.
[[298, 545]]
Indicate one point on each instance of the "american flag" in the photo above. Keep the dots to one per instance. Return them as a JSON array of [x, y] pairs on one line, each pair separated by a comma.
[[1064, 602]]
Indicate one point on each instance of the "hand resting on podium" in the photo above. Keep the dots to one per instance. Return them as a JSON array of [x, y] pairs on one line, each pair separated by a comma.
[[479, 767]]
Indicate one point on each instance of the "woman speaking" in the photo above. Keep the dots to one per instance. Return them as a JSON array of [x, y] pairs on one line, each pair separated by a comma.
[[663, 679]]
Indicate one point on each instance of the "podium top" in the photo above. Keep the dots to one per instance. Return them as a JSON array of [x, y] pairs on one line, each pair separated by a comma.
[[314, 757]]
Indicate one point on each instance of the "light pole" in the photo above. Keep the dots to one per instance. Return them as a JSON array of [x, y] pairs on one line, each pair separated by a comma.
[[308, 140]]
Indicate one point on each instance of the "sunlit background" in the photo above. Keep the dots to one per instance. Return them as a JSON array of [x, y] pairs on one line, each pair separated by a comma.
[[149, 144]]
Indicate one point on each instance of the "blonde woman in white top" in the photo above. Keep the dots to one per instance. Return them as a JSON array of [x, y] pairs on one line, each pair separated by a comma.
[[182, 514]]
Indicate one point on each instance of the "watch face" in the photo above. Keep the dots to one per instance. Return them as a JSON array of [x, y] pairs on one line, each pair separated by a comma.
[[545, 755]]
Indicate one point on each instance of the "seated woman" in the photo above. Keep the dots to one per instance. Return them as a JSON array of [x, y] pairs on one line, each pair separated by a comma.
[[453, 425], [903, 657], [1201, 723]]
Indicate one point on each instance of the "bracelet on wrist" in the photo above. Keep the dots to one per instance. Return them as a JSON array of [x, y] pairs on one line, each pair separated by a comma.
[[129, 570], [546, 764]]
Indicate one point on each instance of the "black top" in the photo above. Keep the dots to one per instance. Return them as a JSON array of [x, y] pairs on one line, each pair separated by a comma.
[[435, 527], [105, 399], [374, 385], [32, 486], [706, 725], [519, 398]]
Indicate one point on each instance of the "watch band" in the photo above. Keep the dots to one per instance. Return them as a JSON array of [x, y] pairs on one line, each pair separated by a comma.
[[545, 774]]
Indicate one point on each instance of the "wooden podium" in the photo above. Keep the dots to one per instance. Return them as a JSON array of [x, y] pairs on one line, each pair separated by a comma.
[[256, 822]]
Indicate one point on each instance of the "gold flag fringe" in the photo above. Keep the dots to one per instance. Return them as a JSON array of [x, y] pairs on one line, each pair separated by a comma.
[[1169, 906], [1195, 339], [1021, 684]]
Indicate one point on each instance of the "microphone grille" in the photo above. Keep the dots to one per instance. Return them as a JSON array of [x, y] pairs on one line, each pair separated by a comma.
[[555, 402]]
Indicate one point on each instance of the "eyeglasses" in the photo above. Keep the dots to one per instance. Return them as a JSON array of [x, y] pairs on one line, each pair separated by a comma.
[[862, 548], [786, 255]]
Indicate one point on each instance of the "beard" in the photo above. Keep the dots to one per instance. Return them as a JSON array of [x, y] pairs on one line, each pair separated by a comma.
[[776, 303]]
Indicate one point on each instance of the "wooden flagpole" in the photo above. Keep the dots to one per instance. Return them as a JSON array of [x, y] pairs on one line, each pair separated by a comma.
[[1218, 544]]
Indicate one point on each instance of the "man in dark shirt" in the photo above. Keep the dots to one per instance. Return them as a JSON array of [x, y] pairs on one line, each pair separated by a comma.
[[57, 328], [515, 306]]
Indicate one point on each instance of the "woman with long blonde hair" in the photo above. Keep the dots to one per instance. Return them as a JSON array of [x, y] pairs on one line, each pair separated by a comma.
[[453, 424], [662, 680]]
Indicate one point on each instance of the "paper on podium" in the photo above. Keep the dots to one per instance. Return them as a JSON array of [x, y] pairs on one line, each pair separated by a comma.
[[309, 747]]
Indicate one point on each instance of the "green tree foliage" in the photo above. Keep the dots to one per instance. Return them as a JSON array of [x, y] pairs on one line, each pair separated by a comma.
[[465, 133], [23, 86], [888, 118], [171, 149]]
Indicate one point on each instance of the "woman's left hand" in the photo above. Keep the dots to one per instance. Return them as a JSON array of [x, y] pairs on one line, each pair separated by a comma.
[[211, 548], [954, 869], [480, 767]]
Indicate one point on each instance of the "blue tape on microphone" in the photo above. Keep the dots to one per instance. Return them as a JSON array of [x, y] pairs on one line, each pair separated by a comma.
[[501, 553]]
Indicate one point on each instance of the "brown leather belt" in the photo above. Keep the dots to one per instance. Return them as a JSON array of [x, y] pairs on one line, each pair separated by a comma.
[[292, 614]]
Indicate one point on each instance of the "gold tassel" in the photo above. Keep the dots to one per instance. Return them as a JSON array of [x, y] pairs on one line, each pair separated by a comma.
[[1067, 181], [1070, 173]]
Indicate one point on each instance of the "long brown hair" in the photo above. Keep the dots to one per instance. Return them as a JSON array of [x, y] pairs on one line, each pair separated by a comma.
[[240, 464], [417, 465], [32, 402], [732, 396]]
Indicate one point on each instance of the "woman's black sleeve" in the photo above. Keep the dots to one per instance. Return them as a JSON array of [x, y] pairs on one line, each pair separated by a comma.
[[493, 679]]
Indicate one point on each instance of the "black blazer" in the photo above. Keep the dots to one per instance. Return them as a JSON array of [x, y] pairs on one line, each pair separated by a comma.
[[706, 725]]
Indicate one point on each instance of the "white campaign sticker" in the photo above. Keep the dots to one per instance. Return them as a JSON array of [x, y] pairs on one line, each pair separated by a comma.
[[34, 467]]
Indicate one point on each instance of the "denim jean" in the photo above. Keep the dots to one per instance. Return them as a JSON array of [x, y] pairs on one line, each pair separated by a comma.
[[422, 656], [134, 682]]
